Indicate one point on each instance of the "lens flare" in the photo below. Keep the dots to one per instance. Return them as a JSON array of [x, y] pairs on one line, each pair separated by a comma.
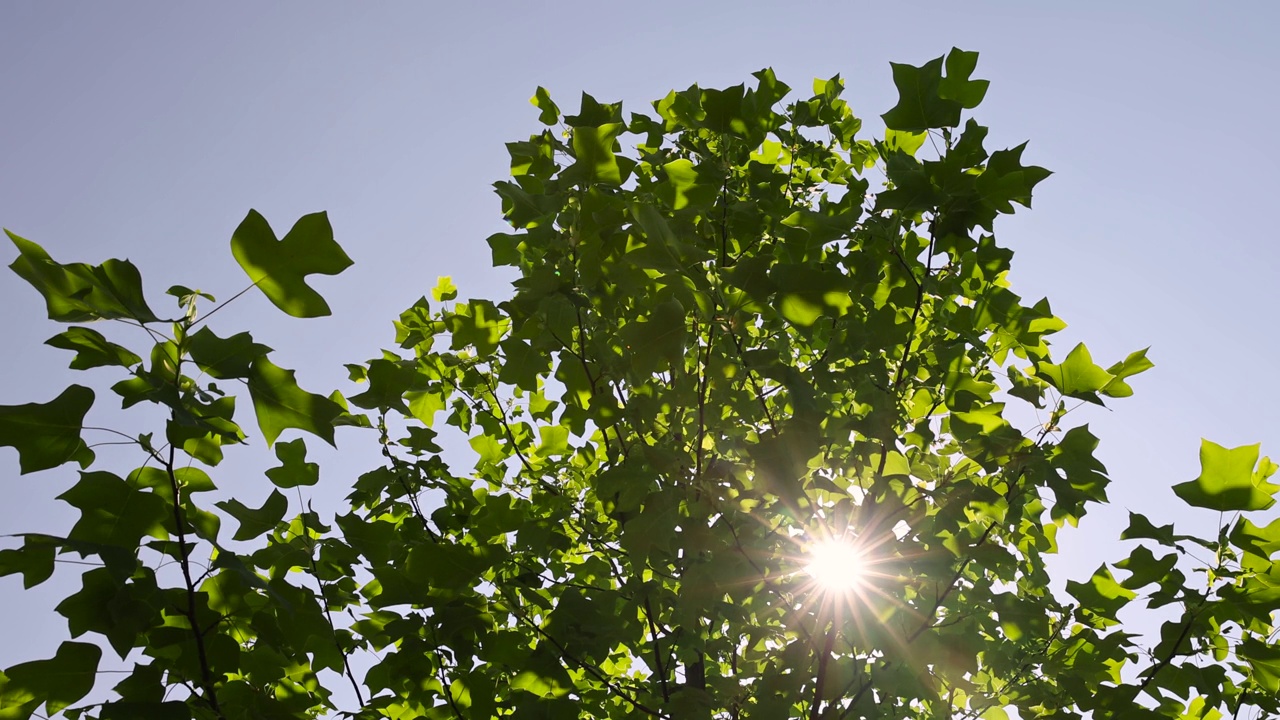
[[836, 565]]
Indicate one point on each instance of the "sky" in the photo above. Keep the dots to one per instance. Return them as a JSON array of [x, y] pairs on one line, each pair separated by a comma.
[[147, 130]]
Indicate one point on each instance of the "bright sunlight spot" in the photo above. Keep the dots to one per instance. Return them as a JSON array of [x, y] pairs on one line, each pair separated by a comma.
[[836, 565]]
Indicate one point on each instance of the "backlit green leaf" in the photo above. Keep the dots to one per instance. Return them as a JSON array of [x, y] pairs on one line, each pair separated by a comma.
[[1135, 363], [1101, 595], [1227, 480], [1077, 376], [550, 114]]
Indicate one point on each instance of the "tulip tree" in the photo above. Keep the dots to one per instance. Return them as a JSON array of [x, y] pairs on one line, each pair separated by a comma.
[[761, 432]]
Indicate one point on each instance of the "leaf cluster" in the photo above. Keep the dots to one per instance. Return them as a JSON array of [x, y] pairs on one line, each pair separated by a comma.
[[741, 328]]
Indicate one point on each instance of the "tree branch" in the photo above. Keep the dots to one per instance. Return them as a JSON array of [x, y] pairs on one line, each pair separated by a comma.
[[657, 650], [820, 683], [206, 675]]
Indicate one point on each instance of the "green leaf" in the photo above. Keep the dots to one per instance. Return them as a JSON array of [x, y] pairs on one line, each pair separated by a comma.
[[388, 382], [78, 292], [1146, 568], [903, 141], [224, 358], [684, 185], [190, 480], [256, 522], [1228, 481], [1006, 180], [127, 710], [144, 684], [928, 100], [553, 440], [279, 267], [186, 294], [450, 567], [113, 512], [655, 226], [1140, 528], [47, 435], [522, 364], [120, 611], [444, 290], [294, 469], [1101, 595], [56, 683], [92, 349], [477, 323], [34, 560], [1264, 660], [957, 86], [279, 403], [1135, 363], [593, 147], [550, 114], [657, 341], [1077, 376], [1261, 542]]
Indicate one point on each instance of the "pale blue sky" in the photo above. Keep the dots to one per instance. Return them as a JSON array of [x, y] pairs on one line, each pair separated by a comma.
[[147, 130]]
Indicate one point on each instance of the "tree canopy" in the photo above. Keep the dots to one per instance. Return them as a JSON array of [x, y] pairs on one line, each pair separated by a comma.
[[761, 432]]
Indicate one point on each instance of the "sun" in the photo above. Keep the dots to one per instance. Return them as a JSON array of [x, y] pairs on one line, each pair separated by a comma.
[[836, 565]]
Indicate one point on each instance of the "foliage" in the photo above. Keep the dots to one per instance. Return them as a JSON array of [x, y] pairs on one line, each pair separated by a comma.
[[724, 348]]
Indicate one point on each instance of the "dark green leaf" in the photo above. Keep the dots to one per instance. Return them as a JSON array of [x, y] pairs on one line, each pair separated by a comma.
[[1140, 528], [47, 435], [78, 292], [279, 267], [956, 85], [224, 358], [126, 710], [56, 683], [256, 522], [522, 364], [926, 100], [279, 403], [388, 382], [1006, 180], [92, 349], [294, 469], [113, 512], [34, 560], [1146, 568]]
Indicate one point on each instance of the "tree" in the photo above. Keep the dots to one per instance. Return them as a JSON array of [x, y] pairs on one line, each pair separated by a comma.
[[730, 375]]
